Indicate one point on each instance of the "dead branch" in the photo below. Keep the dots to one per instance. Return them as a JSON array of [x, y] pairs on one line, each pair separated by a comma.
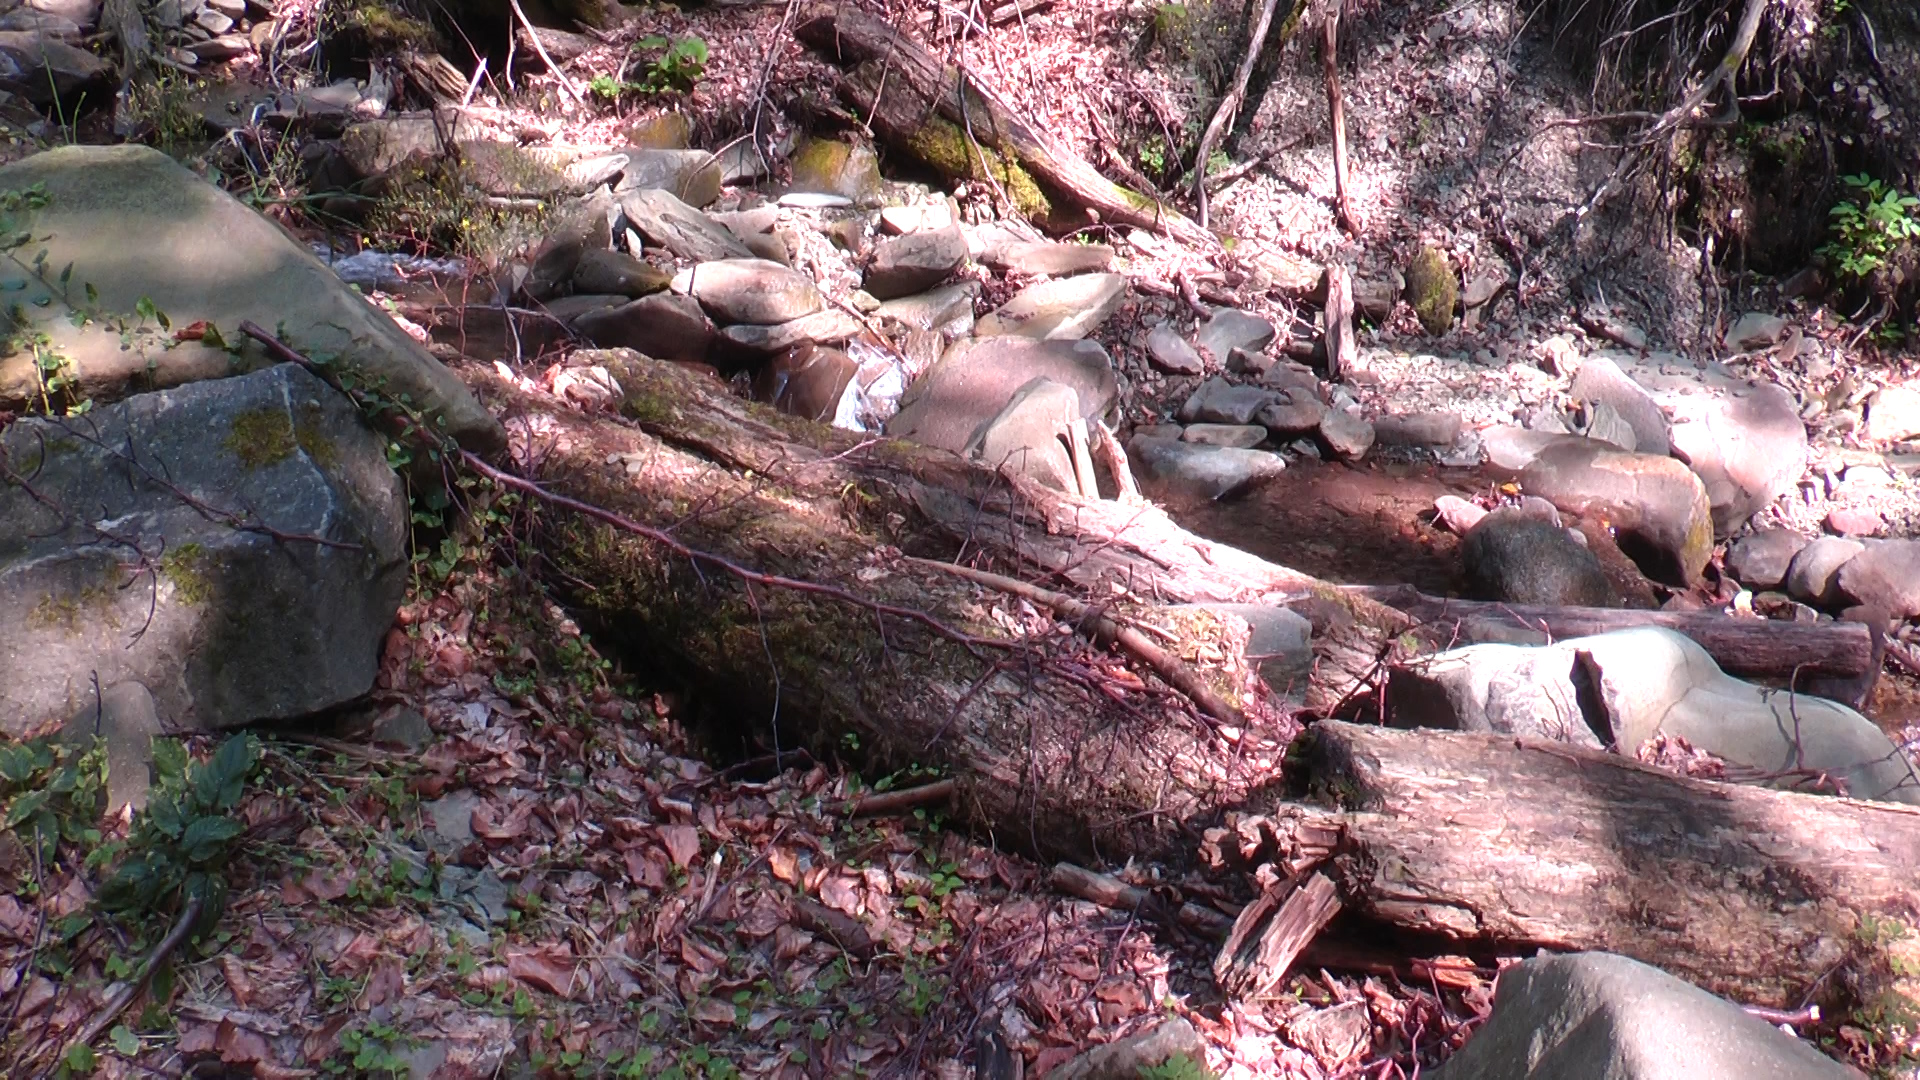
[[1330, 60], [117, 1004], [1229, 106], [893, 802]]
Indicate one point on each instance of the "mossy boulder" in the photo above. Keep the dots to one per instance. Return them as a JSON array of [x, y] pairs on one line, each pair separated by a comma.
[[222, 621], [1433, 289], [661, 131], [831, 167]]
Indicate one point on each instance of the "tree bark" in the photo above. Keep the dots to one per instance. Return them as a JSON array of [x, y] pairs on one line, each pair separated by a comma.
[[945, 118], [1484, 840]]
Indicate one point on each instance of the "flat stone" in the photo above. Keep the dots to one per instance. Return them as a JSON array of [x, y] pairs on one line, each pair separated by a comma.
[[1656, 505], [1755, 330], [1220, 402], [1169, 352], [665, 221], [1242, 362], [40, 67], [1243, 436], [1345, 435], [949, 307], [1231, 329], [1813, 576], [569, 308], [1601, 382], [1517, 558], [450, 818], [1596, 1016], [691, 176], [136, 226], [750, 291], [1850, 521], [1061, 309], [904, 265], [220, 49], [1171, 468], [1761, 561], [829, 327], [124, 718], [1893, 414], [403, 726], [1424, 429], [1513, 448], [976, 379], [612, 273], [1291, 377], [1292, 414], [1027, 436], [1046, 258], [901, 220], [1885, 575], [1605, 424], [1748, 446], [663, 326], [207, 632]]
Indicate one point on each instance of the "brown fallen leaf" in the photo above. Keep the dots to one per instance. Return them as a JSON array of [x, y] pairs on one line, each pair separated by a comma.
[[784, 865], [238, 982], [491, 822], [839, 894], [682, 842], [547, 967]]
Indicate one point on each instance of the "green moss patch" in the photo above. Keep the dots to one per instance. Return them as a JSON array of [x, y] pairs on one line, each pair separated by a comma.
[[1433, 290], [261, 438], [185, 568], [945, 147]]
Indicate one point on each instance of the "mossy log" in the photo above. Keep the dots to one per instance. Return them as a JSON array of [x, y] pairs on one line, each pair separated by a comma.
[[952, 124], [1482, 841], [1063, 748]]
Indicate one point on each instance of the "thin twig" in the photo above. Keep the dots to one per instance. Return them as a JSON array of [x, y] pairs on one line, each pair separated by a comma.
[[533, 35], [118, 1003]]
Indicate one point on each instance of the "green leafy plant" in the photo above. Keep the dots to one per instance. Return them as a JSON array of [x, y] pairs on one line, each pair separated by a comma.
[[680, 65], [178, 850], [1869, 227], [1177, 1067], [52, 792]]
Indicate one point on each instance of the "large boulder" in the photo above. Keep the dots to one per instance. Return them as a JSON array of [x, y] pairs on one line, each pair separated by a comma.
[[1518, 558], [976, 379], [1657, 506], [754, 291], [1029, 436], [1176, 469], [1886, 576], [1748, 446], [904, 265], [127, 230], [1600, 382], [1596, 1016], [662, 219], [238, 546], [1623, 688], [663, 326], [1063, 308]]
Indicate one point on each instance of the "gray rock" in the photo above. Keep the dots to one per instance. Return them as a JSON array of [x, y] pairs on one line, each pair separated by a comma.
[[1596, 1016], [1026, 437], [1893, 414], [849, 171], [1219, 402], [1292, 413], [1761, 561], [1231, 329], [950, 306], [1514, 449], [1516, 557], [403, 726], [976, 379], [900, 220], [1601, 382], [375, 148], [135, 225], [582, 225], [1131, 1057], [1279, 642], [1243, 362], [750, 291], [1605, 424], [125, 719], [1508, 689], [1061, 309], [1169, 352], [1748, 446], [1755, 330], [1046, 258], [40, 67], [1171, 468], [1657, 507], [829, 327], [692, 176], [1423, 429], [807, 382], [1885, 576], [904, 265], [1294, 378], [450, 818], [115, 576], [667, 222], [1243, 436], [606, 272], [568, 309], [1813, 576], [1345, 435], [221, 49], [663, 326]]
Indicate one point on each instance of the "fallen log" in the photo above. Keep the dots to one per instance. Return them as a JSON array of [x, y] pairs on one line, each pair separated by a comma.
[[1840, 660], [945, 118], [1762, 896]]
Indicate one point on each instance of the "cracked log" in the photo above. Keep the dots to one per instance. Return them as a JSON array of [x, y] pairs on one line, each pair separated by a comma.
[[1762, 896], [947, 120]]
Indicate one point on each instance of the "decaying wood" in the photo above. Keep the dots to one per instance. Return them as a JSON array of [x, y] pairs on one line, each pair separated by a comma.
[[1842, 653], [1341, 349], [1491, 841], [949, 121], [1111, 892], [1287, 917], [1229, 106]]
